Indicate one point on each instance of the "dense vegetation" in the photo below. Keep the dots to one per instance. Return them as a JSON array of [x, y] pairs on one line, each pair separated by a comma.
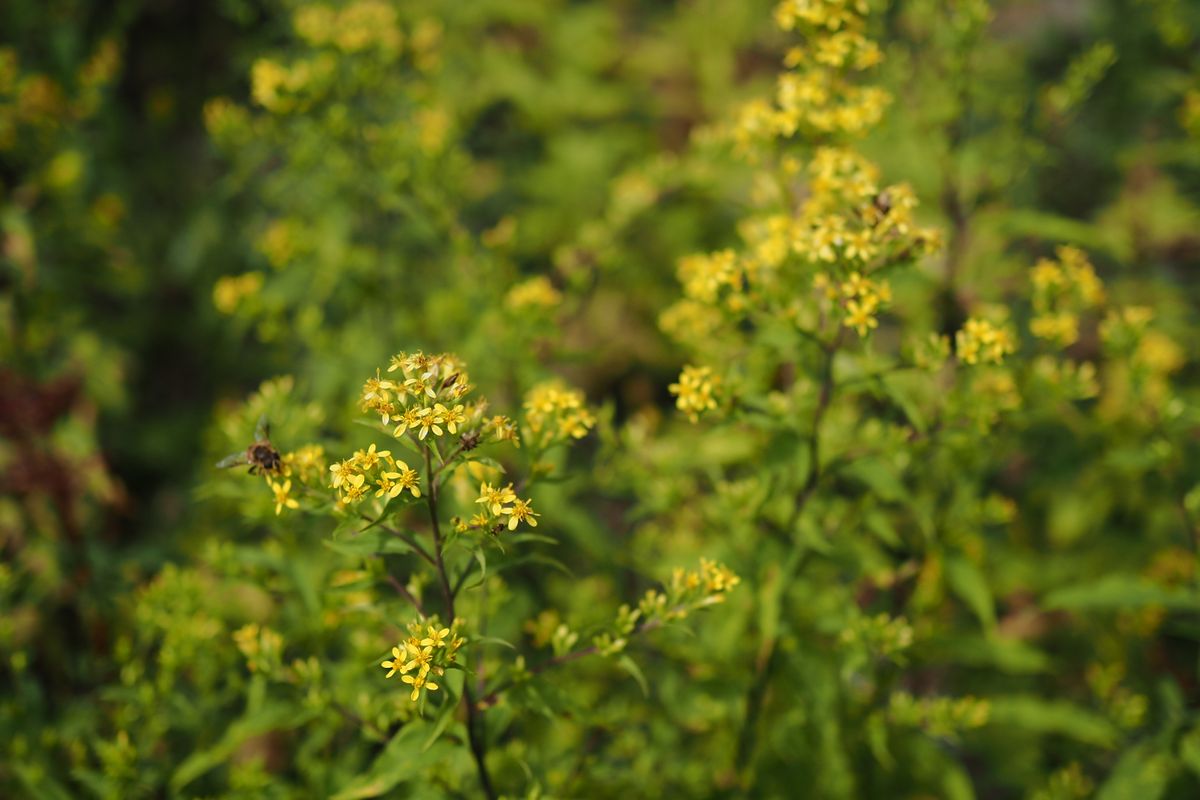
[[840, 439]]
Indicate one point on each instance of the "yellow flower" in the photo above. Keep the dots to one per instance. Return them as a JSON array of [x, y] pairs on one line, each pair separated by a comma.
[[521, 510], [369, 459], [397, 664], [495, 499], [1046, 275], [418, 682], [428, 419], [534, 293], [981, 341], [436, 638], [377, 388], [860, 315], [387, 485], [856, 286], [282, 496], [342, 470], [409, 420], [353, 489], [421, 656], [695, 391], [553, 410], [393, 483], [308, 461], [420, 385], [1060, 328], [450, 417]]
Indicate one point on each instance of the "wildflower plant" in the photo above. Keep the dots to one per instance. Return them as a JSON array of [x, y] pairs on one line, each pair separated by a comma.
[[864, 329], [434, 533], [835, 444]]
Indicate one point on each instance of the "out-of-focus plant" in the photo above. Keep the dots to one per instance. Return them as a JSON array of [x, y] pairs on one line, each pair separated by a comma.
[[922, 595]]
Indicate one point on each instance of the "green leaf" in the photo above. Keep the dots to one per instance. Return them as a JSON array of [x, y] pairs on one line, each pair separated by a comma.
[[877, 740], [492, 640], [452, 686], [1036, 715], [879, 478], [403, 759], [1189, 750], [969, 583], [629, 665], [1120, 592], [373, 542], [39, 785], [1007, 655], [1142, 773], [277, 716], [526, 536], [880, 524], [893, 387]]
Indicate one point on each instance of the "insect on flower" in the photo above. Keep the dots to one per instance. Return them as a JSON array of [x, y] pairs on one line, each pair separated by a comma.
[[261, 455]]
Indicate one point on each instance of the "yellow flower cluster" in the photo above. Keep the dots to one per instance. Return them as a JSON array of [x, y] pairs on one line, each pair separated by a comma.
[[225, 119], [555, 413], [687, 591], [280, 242], [306, 463], [39, 101], [695, 392], [534, 293], [843, 223], [858, 297], [352, 476], [819, 96], [230, 290], [422, 399], [703, 275], [690, 321], [832, 15], [1123, 327], [879, 223], [357, 26], [502, 508], [262, 647], [282, 89], [847, 226], [981, 341], [1061, 289], [424, 655], [707, 586]]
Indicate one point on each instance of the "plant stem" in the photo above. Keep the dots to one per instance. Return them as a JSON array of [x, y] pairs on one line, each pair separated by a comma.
[[406, 594], [475, 733], [756, 696]]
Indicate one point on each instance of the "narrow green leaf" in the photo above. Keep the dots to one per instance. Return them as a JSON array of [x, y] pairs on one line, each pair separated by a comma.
[[629, 665], [969, 583]]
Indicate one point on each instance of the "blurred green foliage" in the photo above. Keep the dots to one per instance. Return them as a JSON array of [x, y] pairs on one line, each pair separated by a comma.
[[956, 580]]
